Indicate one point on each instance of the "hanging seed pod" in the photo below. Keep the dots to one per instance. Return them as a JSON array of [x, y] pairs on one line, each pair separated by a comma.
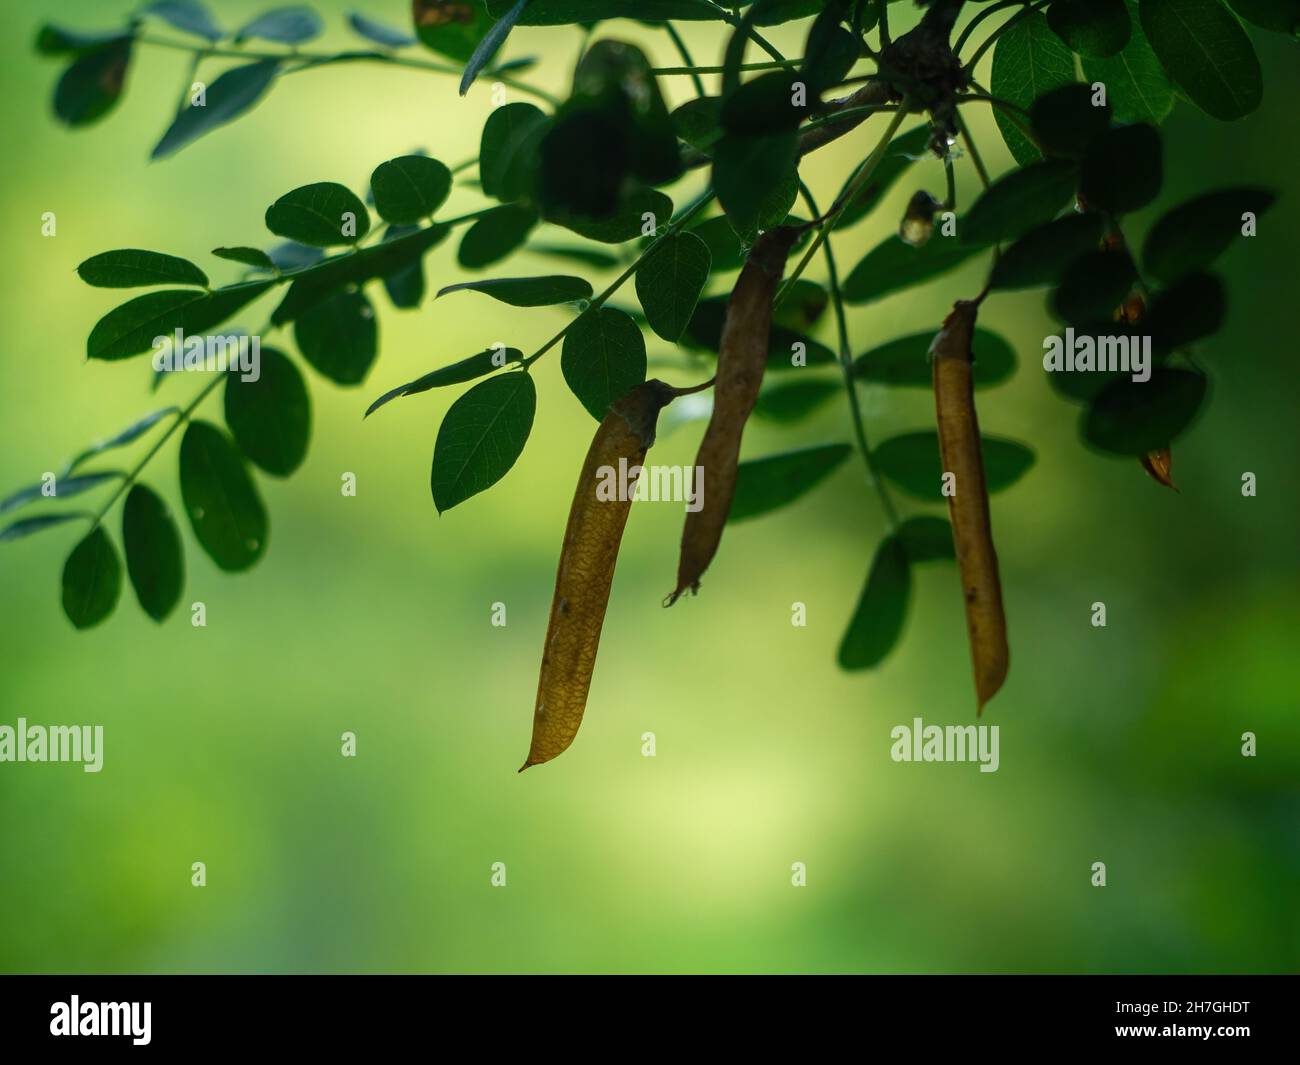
[[586, 572], [742, 358], [917, 226], [968, 507], [1158, 464]]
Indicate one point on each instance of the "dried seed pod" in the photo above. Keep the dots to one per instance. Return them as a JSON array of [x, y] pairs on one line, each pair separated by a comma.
[[586, 571], [1159, 465], [742, 357], [917, 225], [968, 507]]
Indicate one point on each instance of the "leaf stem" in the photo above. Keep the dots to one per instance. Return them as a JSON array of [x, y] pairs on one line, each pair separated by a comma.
[[687, 58], [993, 37]]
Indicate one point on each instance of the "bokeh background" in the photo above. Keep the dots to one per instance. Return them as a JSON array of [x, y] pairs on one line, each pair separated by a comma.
[[372, 614]]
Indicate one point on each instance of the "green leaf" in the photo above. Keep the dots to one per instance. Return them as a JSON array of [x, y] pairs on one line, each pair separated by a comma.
[[155, 560], [490, 45], [1281, 16], [894, 265], [644, 209], [475, 366], [1019, 201], [379, 33], [59, 40], [527, 291], [927, 539], [405, 285], [774, 481], [131, 433], [878, 620], [496, 235], [595, 258], [699, 122], [1091, 27], [1041, 256], [92, 580], [1028, 60], [481, 437], [1135, 417], [339, 337], [64, 488], [831, 50], [270, 418], [131, 268], [603, 358], [1093, 286], [1207, 54], [233, 93], [669, 282], [508, 150], [188, 16], [295, 24], [131, 328], [27, 526], [792, 401], [902, 152], [1065, 121], [766, 104], [452, 28], [1123, 170], [253, 257], [1192, 235], [92, 85], [912, 462], [571, 12], [224, 508], [321, 215], [406, 190], [1137, 87], [705, 331], [756, 179], [1103, 335], [1192, 309], [906, 361]]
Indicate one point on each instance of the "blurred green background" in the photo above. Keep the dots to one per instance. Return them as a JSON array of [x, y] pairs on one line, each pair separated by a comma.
[[372, 614]]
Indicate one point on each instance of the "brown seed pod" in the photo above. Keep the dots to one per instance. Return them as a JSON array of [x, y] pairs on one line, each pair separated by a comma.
[[1159, 464], [968, 507], [586, 571], [742, 357]]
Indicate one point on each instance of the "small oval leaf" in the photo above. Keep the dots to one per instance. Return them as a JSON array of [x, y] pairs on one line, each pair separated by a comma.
[[155, 560], [225, 511], [92, 580], [481, 437]]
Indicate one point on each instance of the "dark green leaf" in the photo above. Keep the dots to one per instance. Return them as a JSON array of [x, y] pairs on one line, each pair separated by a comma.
[[452, 28], [1041, 256], [1191, 309], [912, 462], [1192, 235], [92, 580], [1097, 343], [232, 94], [378, 32], [292, 257], [339, 337], [253, 257], [508, 150], [774, 481], [1281, 16], [126, 436], [669, 282], [457, 373], [643, 210], [903, 150], [295, 24], [906, 361], [802, 305], [405, 285], [188, 16], [878, 620], [406, 190], [595, 258], [322, 215], [1028, 60], [482, 435], [756, 179], [831, 50], [132, 268], [1093, 286], [225, 510], [59, 40], [63, 488], [791, 401], [1136, 417], [1019, 201], [705, 331], [699, 122], [1137, 87], [155, 560], [92, 84], [1207, 53], [496, 235], [1091, 27], [603, 358], [894, 265], [270, 418], [767, 104], [490, 45], [528, 291], [1065, 121], [131, 328], [27, 526], [1123, 170], [927, 539]]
